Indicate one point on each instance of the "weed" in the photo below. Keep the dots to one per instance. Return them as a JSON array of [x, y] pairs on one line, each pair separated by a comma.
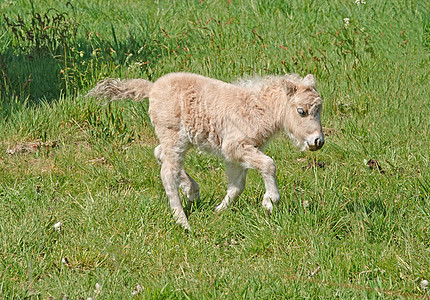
[[50, 33]]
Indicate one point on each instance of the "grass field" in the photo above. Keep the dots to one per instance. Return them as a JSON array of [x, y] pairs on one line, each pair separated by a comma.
[[82, 209]]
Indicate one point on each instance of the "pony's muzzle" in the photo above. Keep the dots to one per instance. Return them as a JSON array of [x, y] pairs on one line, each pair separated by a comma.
[[316, 143]]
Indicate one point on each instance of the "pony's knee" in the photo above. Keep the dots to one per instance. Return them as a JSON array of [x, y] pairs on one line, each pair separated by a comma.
[[264, 164], [268, 166]]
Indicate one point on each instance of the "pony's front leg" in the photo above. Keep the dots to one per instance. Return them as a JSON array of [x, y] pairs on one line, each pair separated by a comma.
[[255, 159], [271, 197]]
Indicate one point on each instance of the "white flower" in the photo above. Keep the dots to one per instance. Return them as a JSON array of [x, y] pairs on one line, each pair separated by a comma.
[[65, 261], [358, 2], [305, 204], [346, 21], [57, 226], [98, 289], [137, 290]]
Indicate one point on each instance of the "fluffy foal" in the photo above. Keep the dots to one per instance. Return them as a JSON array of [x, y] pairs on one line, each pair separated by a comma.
[[231, 120]]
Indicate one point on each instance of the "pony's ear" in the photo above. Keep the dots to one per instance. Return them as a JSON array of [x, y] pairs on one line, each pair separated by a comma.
[[290, 88], [309, 80]]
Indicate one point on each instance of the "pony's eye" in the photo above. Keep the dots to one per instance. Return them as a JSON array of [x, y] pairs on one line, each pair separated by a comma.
[[301, 112]]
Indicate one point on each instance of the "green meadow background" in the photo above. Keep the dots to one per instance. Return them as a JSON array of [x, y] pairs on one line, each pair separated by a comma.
[[83, 213]]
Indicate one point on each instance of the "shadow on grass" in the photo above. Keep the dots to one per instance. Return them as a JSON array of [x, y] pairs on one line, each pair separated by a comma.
[[46, 76], [49, 54], [27, 76], [205, 203]]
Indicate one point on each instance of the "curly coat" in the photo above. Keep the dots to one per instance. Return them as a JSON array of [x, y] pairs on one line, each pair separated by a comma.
[[231, 120]]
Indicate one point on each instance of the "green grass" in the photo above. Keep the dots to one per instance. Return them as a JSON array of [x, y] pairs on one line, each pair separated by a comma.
[[343, 230]]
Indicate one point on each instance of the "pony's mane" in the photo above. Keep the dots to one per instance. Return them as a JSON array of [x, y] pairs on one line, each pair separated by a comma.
[[257, 82]]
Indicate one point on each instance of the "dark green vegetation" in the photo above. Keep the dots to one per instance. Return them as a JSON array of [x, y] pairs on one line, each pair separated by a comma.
[[354, 218]]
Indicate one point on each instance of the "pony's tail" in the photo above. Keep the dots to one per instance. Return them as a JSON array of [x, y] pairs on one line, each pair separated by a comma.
[[117, 89]]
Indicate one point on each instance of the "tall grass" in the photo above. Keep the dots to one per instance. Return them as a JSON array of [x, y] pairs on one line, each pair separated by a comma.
[[353, 218]]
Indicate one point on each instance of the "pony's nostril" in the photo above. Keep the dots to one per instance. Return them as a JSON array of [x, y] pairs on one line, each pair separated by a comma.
[[319, 142]]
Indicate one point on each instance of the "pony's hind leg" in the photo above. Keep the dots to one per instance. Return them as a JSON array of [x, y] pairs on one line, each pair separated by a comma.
[[236, 177], [171, 159], [189, 187]]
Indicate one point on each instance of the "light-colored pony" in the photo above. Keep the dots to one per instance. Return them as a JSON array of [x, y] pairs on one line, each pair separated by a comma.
[[231, 120]]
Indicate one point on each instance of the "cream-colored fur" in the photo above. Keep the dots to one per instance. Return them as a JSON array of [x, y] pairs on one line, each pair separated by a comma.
[[231, 120]]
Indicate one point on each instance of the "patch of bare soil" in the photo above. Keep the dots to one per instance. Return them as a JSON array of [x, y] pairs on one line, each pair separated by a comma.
[[30, 147], [374, 165]]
